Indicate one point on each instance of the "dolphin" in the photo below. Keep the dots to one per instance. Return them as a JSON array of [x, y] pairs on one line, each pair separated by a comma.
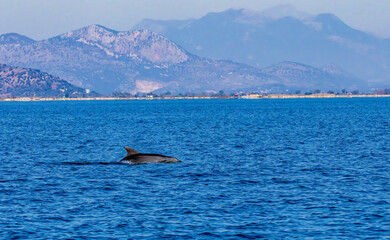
[[135, 157]]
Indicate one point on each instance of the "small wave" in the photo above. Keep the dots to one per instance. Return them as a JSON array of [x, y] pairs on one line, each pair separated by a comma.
[[92, 163]]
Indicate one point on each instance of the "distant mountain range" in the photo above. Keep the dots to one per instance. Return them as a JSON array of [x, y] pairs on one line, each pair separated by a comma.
[[280, 34], [106, 60], [23, 82]]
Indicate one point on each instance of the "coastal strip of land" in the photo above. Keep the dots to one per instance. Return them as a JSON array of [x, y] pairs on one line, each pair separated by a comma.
[[248, 96]]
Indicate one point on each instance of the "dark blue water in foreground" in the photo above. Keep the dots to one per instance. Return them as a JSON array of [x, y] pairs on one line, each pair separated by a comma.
[[251, 169]]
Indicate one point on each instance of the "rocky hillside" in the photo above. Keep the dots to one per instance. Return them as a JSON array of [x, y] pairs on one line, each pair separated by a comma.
[[136, 45], [106, 60], [24, 82], [296, 75]]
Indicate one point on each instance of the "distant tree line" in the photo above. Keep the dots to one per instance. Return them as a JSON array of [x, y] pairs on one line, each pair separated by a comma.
[[318, 91], [222, 94], [118, 94], [385, 91]]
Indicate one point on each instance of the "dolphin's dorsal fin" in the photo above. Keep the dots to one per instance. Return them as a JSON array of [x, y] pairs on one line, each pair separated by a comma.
[[131, 151]]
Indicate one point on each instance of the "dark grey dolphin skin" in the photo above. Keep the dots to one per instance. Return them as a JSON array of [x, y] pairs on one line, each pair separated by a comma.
[[135, 157]]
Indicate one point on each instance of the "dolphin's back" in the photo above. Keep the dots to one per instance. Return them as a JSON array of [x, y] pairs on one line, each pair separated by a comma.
[[135, 157], [150, 158]]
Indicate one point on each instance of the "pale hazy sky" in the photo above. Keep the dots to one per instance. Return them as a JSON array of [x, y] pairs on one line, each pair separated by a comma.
[[40, 19]]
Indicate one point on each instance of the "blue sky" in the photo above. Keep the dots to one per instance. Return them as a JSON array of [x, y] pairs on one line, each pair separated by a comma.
[[40, 19]]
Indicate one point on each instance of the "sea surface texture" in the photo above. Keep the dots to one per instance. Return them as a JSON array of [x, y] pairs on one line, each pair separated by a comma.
[[274, 169]]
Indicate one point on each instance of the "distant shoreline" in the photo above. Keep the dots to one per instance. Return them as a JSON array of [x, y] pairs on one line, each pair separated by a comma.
[[251, 96]]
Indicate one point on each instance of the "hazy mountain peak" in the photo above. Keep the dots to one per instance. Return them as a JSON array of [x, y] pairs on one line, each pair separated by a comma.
[[273, 13], [245, 15], [250, 16], [14, 38], [331, 22], [228, 15], [285, 10], [328, 18], [335, 27]]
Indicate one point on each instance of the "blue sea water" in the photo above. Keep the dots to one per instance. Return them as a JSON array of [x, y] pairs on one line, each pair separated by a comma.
[[274, 169]]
